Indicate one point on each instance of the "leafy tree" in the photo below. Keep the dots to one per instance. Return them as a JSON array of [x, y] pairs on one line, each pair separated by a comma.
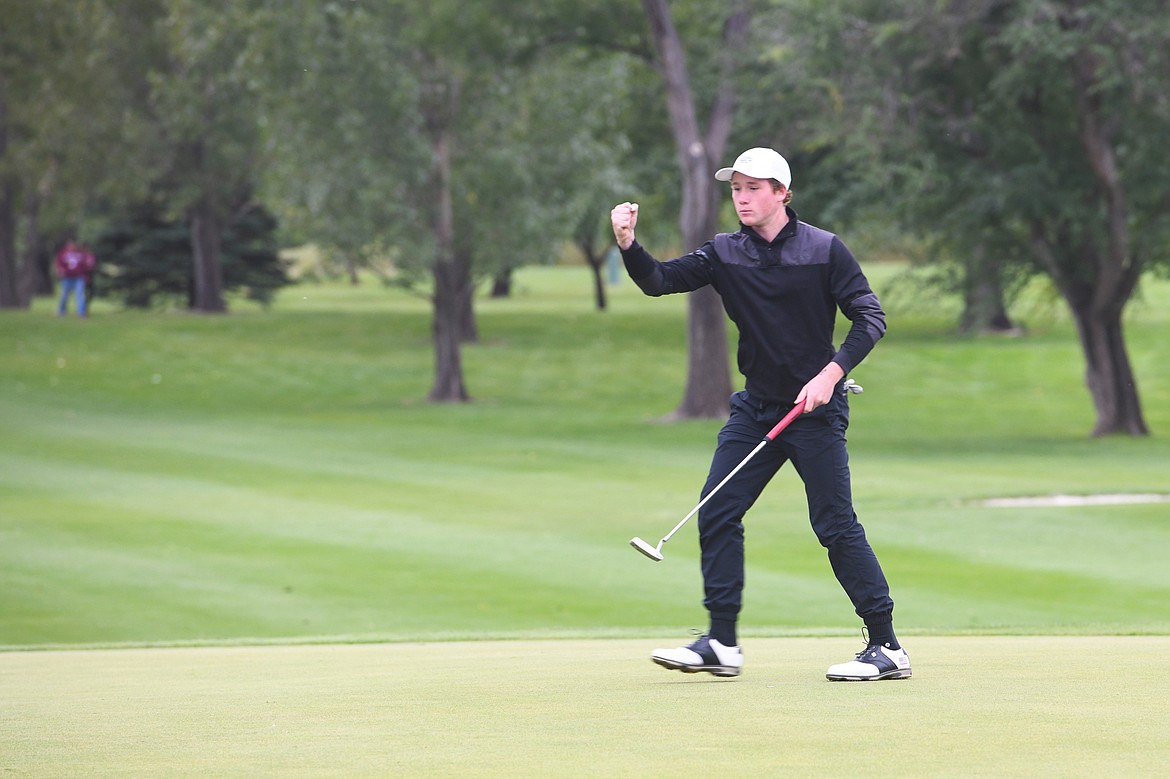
[[77, 88], [346, 161], [850, 97], [99, 125], [202, 99], [53, 116], [445, 136], [700, 151], [700, 102], [513, 130], [696, 49], [387, 89], [1020, 135], [1090, 84], [557, 165]]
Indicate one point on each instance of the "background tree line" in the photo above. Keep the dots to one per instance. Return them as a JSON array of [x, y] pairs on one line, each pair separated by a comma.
[[992, 140]]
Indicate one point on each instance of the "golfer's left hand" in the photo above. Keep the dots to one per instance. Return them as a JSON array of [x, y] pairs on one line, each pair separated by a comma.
[[819, 389]]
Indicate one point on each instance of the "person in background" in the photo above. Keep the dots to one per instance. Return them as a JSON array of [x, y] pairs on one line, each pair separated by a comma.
[[74, 264]]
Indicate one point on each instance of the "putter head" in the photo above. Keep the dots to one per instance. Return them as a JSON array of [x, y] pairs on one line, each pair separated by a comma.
[[650, 551]]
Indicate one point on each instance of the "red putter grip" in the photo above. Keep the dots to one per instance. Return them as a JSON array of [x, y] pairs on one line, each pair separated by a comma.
[[783, 423]]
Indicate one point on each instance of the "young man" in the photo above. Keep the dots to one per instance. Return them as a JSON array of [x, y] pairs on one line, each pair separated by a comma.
[[781, 281]]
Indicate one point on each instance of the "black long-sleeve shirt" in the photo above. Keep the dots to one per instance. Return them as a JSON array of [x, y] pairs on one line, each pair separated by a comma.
[[782, 296]]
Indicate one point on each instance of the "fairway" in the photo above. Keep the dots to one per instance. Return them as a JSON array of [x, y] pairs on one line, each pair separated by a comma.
[[978, 706]]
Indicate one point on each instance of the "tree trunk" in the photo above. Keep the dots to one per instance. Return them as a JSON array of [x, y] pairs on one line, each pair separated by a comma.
[[205, 246], [1098, 310], [351, 269], [448, 300], [35, 274], [448, 386], [596, 264], [468, 331], [587, 238], [587, 243], [1097, 271], [708, 383], [9, 296], [1108, 373], [1097, 304], [502, 284], [984, 309]]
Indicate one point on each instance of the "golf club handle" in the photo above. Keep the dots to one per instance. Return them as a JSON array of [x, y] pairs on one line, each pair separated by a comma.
[[783, 423]]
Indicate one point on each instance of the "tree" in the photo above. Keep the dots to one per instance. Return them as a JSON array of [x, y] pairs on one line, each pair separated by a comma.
[[8, 292], [51, 115], [1023, 134], [946, 150], [347, 160], [708, 383], [869, 132], [522, 155], [559, 165], [172, 113], [146, 259], [592, 238], [451, 139], [203, 101], [1096, 117]]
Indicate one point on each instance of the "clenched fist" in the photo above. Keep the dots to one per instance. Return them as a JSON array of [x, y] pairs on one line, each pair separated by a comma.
[[624, 216]]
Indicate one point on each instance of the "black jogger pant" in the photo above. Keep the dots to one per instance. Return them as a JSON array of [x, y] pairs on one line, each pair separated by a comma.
[[815, 443]]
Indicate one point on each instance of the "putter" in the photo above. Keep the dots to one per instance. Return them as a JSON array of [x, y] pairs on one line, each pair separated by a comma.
[[655, 552]]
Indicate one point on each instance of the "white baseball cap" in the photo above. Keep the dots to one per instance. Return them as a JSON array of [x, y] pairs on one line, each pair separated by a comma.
[[759, 163]]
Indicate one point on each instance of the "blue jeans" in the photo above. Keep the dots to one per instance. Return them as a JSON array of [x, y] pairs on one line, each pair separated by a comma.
[[815, 443], [72, 286]]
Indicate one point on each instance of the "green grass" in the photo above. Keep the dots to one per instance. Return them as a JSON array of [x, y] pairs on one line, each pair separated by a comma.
[[976, 707], [167, 478], [283, 551]]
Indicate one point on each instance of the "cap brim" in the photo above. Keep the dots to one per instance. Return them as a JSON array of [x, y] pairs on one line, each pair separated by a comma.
[[724, 174]]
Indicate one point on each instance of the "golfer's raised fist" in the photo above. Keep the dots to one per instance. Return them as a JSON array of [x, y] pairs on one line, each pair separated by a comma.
[[624, 216]]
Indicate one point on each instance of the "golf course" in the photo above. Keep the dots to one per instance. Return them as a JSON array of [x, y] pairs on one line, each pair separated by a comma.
[[246, 545]]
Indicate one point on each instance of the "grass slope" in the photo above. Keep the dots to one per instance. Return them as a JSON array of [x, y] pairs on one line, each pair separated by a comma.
[[275, 476]]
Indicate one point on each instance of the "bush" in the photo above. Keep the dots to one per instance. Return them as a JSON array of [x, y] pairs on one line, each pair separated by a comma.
[[146, 259]]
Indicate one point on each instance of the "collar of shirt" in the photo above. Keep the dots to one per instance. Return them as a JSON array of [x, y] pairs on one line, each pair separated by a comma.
[[785, 233]]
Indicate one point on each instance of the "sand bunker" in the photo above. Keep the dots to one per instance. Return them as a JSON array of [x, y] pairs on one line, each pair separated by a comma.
[[1076, 500]]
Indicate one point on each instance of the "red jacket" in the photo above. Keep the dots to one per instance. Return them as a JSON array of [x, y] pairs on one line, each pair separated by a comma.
[[74, 261]]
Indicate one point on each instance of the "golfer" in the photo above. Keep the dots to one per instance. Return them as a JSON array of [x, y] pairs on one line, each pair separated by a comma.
[[781, 281]]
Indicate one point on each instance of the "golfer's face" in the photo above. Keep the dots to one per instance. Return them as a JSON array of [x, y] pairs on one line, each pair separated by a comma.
[[756, 203]]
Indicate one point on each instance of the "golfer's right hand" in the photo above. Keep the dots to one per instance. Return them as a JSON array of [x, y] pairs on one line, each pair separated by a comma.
[[624, 216]]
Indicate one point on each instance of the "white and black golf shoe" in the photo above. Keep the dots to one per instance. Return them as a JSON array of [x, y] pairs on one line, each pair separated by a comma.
[[874, 662], [705, 654]]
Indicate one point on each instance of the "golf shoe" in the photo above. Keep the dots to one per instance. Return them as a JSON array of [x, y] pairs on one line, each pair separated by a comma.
[[874, 662], [705, 654]]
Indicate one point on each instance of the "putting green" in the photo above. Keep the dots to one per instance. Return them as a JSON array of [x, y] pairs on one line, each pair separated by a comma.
[[977, 706]]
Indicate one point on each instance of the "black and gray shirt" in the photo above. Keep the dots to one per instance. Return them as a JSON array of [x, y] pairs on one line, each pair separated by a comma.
[[782, 295]]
